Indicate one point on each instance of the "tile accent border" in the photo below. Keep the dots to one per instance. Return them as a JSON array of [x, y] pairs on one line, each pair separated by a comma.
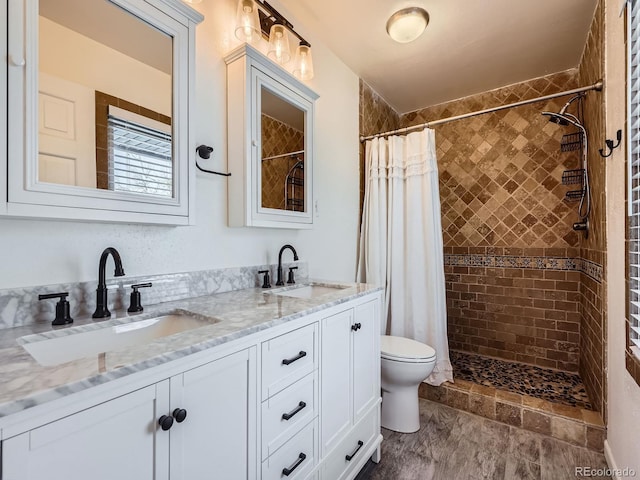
[[587, 267], [20, 306], [574, 425]]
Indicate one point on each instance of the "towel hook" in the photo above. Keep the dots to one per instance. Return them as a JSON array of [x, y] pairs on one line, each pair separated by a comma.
[[611, 147]]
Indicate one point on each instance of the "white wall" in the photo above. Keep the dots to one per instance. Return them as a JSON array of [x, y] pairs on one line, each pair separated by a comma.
[[623, 406], [43, 252], [79, 59]]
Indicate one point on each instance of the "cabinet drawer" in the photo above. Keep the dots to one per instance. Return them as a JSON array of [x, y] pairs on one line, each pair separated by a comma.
[[298, 456], [286, 412], [288, 358], [337, 466]]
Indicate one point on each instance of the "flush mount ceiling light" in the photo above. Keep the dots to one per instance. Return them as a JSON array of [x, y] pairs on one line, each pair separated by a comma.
[[407, 24]]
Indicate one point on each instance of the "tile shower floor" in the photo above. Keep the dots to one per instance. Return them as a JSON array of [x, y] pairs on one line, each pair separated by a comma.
[[551, 385]]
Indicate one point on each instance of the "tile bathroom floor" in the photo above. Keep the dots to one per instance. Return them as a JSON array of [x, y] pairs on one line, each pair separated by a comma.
[[552, 385], [455, 445]]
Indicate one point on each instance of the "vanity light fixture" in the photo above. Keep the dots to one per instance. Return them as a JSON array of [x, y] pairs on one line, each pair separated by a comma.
[[303, 66], [407, 24], [279, 44], [276, 28], [247, 22]]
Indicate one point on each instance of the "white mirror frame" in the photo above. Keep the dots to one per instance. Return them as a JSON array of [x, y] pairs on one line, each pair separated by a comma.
[[24, 196], [247, 72]]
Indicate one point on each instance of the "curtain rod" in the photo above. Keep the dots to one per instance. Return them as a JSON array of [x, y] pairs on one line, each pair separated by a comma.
[[596, 86], [291, 154]]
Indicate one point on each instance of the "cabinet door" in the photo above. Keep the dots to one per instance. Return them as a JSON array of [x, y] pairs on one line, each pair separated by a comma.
[[366, 359], [336, 378], [119, 439], [217, 440]]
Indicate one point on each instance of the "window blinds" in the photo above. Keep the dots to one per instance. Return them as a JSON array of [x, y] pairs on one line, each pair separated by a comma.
[[633, 176], [139, 158]]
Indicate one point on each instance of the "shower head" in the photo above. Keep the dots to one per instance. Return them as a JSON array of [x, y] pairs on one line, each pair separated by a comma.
[[562, 117], [556, 118]]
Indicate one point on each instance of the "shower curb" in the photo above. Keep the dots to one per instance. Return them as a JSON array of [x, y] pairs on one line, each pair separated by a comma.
[[574, 425]]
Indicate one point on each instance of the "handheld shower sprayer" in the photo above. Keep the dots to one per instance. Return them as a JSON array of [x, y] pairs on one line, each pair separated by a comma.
[[564, 118]]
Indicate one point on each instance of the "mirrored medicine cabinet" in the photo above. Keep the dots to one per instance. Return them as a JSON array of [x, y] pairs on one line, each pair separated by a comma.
[[98, 110], [270, 143]]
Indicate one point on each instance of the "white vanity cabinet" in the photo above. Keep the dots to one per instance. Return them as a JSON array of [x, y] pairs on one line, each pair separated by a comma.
[[217, 439], [299, 401], [97, 443], [270, 125], [122, 438], [290, 405], [350, 398]]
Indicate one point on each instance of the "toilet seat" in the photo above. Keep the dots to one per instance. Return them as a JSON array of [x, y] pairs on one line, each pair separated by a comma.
[[402, 349]]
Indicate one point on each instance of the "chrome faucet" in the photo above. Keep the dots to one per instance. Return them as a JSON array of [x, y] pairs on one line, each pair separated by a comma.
[[102, 311], [280, 281]]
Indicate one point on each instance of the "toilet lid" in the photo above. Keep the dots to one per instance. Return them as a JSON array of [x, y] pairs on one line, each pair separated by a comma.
[[400, 348]]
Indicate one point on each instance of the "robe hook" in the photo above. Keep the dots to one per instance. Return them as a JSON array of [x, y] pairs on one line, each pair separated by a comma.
[[610, 146]]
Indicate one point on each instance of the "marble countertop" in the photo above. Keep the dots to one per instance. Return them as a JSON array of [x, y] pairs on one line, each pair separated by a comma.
[[26, 383]]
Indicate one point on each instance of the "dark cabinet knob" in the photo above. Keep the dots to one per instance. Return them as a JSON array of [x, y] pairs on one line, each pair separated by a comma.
[[356, 327], [180, 414], [165, 422]]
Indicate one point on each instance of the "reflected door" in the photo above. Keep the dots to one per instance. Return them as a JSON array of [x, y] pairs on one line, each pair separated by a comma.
[[67, 137]]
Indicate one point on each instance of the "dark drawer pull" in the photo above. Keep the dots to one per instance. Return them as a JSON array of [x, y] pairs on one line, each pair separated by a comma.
[[288, 471], [350, 457], [292, 413], [300, 355]]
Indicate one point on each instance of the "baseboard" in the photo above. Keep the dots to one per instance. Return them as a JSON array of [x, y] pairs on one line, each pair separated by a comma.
[[608, 456]]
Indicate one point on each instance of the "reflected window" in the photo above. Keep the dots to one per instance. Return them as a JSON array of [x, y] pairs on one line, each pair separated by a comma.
[[139, 154]]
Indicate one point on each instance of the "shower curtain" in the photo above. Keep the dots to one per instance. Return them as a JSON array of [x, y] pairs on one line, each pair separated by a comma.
[[401, 241]]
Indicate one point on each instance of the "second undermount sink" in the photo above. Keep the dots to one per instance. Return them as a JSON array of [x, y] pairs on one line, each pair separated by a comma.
[[79, 343], [309, 291]]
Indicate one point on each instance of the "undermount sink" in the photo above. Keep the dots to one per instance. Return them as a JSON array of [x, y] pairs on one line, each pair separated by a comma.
[[309, 291], [77, 343]]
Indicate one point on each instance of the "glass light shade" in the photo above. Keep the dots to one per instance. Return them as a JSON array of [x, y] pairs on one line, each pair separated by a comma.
[[247, 22], [303, 68], [279, 44], [407, 24]]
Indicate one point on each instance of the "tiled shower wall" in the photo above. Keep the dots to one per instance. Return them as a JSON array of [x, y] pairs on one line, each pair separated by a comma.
[[592, 292], [516, 280], [513, 288], [278, 138]]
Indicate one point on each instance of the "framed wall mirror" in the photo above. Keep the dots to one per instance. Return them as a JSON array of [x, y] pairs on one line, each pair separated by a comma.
[[271, 147], [104, 89]]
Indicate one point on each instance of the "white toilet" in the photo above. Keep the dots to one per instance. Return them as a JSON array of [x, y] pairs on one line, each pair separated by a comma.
[[405, 363]]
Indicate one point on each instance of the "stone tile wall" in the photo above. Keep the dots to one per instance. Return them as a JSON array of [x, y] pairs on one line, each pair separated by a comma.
[[279, 138], [594, 317], [501, 173], [528, 314]]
